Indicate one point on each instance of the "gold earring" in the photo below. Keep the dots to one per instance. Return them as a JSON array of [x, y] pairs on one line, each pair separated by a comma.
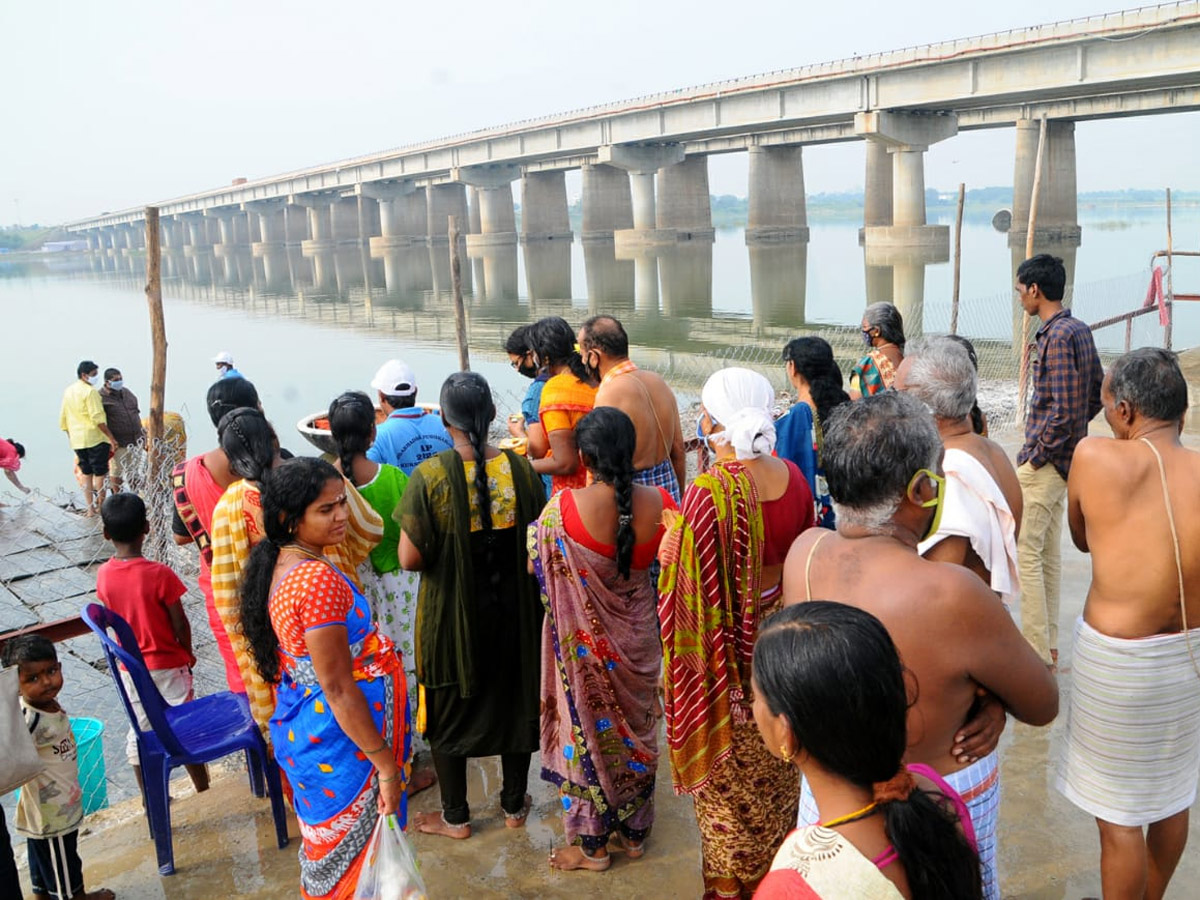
[[785, 752]]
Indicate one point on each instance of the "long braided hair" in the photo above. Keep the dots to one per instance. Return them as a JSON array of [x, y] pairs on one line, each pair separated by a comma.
[[466, 402], [248, 441], [352, 424], [606, 439]]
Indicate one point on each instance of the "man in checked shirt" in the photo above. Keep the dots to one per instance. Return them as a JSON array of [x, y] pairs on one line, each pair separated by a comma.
[[1066, 396]]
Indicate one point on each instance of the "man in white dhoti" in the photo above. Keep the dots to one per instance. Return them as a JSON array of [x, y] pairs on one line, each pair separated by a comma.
[[1132, 758], [982, 508]]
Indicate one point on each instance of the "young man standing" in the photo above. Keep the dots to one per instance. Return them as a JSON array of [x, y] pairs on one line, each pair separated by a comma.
[[1066, 396], [82, 418], [125, 423], [409, 435]]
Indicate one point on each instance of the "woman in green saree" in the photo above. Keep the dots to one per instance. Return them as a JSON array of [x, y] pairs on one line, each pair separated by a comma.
[[463, 520]]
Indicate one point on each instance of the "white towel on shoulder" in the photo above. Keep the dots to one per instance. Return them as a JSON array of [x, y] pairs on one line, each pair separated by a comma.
[[975, 508]]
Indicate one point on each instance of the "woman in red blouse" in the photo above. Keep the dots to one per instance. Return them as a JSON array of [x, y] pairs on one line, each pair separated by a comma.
[[592, 550]]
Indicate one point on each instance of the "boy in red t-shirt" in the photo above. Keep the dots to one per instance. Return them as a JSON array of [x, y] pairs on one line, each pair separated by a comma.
[[146, 594]]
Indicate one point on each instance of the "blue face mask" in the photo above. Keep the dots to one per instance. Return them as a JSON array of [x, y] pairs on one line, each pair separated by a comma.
[[700, 432], [116, 385]]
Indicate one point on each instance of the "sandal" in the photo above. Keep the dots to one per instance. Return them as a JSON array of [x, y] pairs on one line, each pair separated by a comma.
[[517, 819], [564, 862]]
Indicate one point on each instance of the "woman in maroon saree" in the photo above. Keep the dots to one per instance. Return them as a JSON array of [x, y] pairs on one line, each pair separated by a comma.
[[592, 550]]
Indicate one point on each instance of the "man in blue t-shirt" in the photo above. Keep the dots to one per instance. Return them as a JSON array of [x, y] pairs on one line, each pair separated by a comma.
[[409, 435]]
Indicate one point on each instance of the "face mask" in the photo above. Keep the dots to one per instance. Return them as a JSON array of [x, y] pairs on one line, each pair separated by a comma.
[[529, 371], [116, 385], [866, 336], [593, 371], [935, 503], [94, 380], [707, 438]]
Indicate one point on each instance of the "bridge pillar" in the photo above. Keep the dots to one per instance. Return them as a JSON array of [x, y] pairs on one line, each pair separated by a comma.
[[544, 215], [272, 226], [607, 202], [443, 201], [777, 204], [402, 215], [1058, 211], [684, 204], [474, 221], [497, 217], [907, 136], [197, 234], [320, 220], [93, 239], [642, 162], [877, 196]]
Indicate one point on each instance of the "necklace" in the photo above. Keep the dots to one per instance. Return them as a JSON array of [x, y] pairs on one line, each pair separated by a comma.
[[850, 817], [296, 545]]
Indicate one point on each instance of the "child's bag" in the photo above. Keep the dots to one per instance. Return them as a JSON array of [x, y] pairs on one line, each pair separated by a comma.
[[19, 760], [389, 870]]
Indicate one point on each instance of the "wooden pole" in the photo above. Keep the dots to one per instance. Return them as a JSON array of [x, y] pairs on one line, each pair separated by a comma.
[[1169, 300], [158, 337], [460, 312], [1023, 378], [962, 194]]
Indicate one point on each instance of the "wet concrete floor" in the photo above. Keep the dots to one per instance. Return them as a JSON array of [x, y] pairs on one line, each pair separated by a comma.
[[224, 842], [225, 847]]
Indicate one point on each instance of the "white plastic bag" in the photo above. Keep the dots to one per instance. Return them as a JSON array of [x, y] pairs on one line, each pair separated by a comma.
[[389, 871], [19, 760]]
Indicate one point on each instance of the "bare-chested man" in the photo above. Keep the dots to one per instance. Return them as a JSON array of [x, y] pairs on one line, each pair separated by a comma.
[[882, 459], [1133, 740], [982, 509], [659, 459]]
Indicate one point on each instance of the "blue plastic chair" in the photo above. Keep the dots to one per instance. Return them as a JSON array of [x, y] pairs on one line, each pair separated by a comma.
[[195, 732]]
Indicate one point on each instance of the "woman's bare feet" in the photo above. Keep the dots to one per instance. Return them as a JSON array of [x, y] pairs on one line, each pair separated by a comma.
[[435, 823], [569, 859], [517, 820], [421, 779], [618, 843]]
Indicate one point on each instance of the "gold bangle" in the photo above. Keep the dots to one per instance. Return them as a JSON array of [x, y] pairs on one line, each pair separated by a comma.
[[382, 746], [395, 777]]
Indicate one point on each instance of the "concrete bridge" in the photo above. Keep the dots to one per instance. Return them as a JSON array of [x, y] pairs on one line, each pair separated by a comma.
[[644, 161]]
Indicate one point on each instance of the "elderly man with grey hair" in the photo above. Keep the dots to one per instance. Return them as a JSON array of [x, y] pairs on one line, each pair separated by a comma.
[[981, 512], [882, 459]]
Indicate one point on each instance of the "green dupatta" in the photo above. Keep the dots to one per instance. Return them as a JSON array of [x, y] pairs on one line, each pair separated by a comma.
[[435, 514]]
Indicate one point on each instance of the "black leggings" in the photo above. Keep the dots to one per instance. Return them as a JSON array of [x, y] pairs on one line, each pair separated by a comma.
[[452, 781]]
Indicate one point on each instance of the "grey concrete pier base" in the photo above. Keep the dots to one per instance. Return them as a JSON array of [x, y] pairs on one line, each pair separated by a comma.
[[443, 201], [607, 202], [403, 215], [544, 214], [778, 211], [1058, 208]]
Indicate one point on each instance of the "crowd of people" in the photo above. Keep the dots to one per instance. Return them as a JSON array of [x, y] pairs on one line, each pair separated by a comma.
[[821, 621]]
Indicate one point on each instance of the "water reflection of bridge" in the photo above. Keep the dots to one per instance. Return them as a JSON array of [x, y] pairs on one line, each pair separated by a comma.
[[663, 295]]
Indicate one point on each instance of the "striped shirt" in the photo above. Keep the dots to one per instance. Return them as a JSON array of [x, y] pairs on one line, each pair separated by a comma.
[[1066, 392]]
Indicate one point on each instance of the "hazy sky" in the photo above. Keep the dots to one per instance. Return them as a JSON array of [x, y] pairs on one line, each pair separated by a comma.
[[117, 104]]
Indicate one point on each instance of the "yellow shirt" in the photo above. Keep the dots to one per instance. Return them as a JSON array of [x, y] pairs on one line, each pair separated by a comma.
[[82, 413]]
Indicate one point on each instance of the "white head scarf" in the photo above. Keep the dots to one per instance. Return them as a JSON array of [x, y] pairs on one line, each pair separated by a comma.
[[741, 400]]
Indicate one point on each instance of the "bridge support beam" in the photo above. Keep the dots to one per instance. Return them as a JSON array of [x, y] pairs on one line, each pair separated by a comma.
[[402, 215], [443, 201], [497, 217], [1058, 210], [320, 220], [607, 202], [544, 215], [778, 210], [197, 234], [642, 162], [684, 204], [906, 137], [272, 226]]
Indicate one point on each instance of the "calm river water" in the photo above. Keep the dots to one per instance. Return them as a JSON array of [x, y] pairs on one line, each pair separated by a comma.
[[304, 329]]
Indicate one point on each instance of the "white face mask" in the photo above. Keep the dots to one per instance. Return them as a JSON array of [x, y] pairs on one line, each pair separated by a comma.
[[116, 385], [94, 380]]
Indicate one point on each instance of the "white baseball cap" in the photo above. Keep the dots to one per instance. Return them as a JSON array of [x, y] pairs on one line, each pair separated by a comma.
[[224, 358], [395, 379]]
